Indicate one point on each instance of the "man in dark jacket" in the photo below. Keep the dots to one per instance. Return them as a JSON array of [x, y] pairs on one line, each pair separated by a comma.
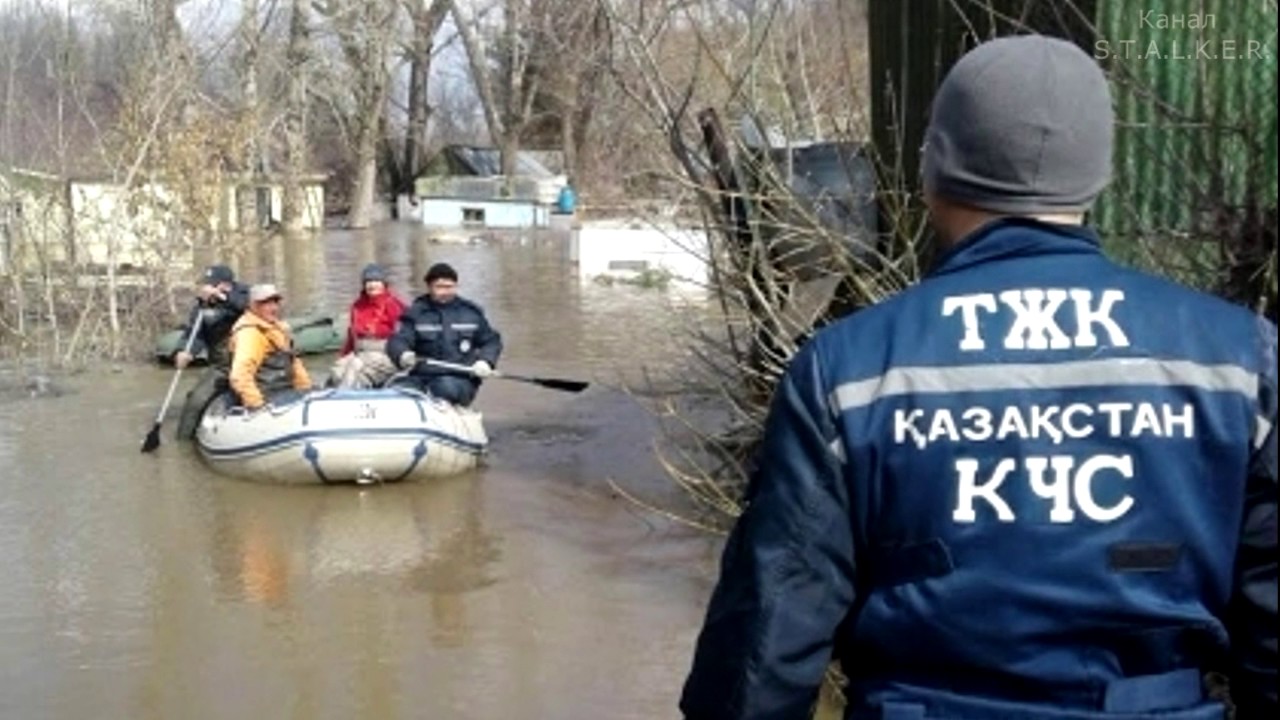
[[1038, 484], [220, 301], [443, 326]]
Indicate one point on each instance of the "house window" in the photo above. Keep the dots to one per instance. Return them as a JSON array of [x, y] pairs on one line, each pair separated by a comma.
[[631, 265], [472, 216], [262, 201]]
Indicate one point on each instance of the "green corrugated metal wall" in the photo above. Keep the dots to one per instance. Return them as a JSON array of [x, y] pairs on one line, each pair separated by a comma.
[[913, 43], [1194, 193], [1196, 128]]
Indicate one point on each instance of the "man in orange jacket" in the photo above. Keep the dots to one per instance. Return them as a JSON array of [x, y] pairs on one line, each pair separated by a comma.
[[263, 364]]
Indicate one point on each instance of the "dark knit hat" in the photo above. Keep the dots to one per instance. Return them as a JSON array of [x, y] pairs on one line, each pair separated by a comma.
[[1021, 125], [373, 271], [440, 271], [215, 274]]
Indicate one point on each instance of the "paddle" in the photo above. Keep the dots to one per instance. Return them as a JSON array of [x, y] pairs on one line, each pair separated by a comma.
[[573, 386], [152, 441]]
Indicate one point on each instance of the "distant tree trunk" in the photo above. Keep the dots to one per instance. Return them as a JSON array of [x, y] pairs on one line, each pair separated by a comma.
[[588, 85], [509, 143], [171, 62], [12, 241], [293, 202], [416, 130], [505, 114], [364, 186], [427, 17], [479, 62], [569, 142], [510, 149], [574, 64], [250, 163], [365, 45]]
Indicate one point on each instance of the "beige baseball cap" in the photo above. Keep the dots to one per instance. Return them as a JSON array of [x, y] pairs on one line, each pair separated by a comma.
[[263, 292]]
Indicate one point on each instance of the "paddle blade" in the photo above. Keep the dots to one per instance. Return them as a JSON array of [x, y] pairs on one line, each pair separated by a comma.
[[152, 440], [573, 386]]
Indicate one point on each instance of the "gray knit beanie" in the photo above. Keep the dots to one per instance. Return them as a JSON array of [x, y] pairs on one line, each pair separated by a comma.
[[1021, 125]]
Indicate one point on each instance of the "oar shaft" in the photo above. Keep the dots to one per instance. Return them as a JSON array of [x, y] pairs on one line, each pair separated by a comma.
[[552, 383], [455, 366], [173, 384], [168, 396]]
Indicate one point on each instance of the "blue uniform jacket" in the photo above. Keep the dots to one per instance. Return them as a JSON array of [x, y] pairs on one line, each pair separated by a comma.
[[455, 332], [1036, 485]]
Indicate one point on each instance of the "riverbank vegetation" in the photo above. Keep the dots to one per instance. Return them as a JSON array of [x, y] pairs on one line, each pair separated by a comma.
[[140, 140]]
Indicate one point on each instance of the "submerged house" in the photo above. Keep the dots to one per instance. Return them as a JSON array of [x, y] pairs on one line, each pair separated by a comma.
[[51, 221], [463, 186], [783, 190]]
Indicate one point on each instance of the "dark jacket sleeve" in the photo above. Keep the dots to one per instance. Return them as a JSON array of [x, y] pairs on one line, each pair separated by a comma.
[[238, 299], [404, 338], [488, 341], [787, 573], [349, 342], [232, 308], [1253, 618]]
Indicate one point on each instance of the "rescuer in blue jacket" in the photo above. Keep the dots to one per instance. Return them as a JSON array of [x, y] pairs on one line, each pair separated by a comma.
[[441, 325], [1036, 485]]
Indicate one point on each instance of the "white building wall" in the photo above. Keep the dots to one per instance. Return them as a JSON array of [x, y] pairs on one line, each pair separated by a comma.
[[622, 250], [455, 212]]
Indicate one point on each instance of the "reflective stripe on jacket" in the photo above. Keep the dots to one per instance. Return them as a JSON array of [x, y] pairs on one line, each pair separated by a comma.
[[1036, 484], [455, 332]]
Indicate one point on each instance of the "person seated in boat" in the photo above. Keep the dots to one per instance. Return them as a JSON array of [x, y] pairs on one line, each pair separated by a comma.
[[443, 326], [220, 301], [363, 361], [264, 367]]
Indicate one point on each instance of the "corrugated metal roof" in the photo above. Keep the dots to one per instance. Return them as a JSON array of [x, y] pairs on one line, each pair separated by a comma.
[[485, 162]]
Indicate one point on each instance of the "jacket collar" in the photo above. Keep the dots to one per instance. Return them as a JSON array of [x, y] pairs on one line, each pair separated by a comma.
[[251, 319], [1013, 237], [425, 299], [384, 298]]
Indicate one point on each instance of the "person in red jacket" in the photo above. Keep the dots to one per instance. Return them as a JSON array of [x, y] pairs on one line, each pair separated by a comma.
[[363, 361]]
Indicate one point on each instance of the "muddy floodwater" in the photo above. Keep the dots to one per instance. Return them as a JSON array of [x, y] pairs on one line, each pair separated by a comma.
[[147, 586]]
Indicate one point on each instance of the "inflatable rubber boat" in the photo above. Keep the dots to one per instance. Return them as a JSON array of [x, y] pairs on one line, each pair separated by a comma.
[[339, 435]]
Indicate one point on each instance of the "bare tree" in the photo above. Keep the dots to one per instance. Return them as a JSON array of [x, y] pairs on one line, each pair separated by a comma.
[[572, 62], [296, 73], [170, 57], [10, 250], [426, 18], [251, 162], [503, 80], [364, 31]]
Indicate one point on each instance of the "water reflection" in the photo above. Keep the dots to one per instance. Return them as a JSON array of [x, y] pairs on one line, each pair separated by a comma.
[[291, 261], [428, 539], [145, 586]]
